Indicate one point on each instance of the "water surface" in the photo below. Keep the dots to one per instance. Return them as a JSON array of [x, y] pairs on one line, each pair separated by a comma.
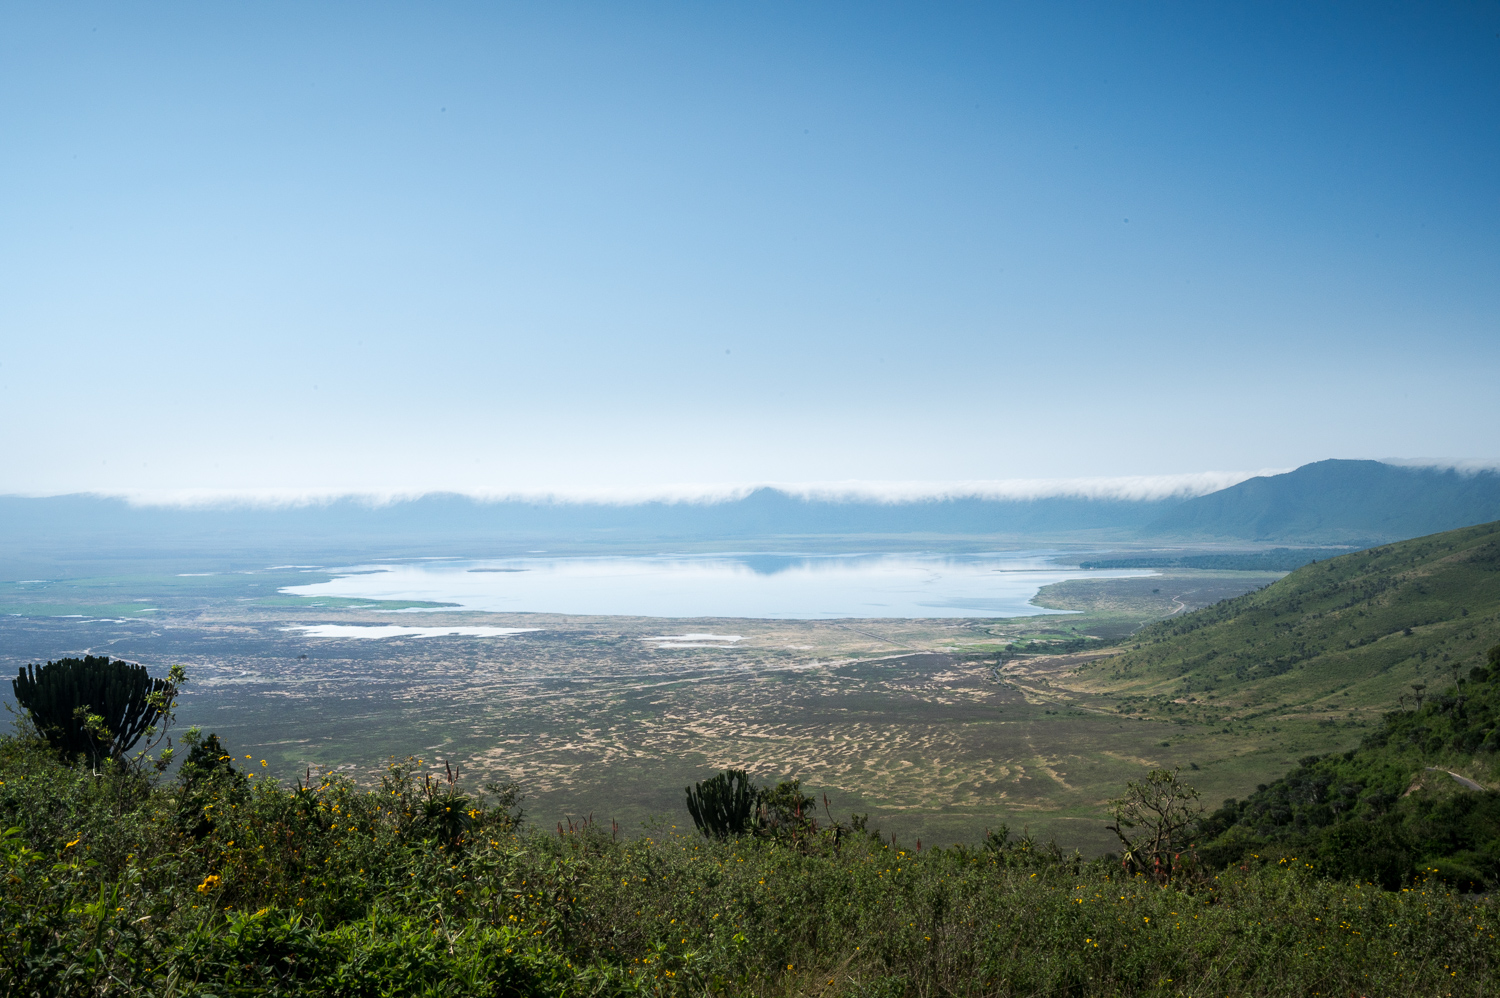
[[794, 587]]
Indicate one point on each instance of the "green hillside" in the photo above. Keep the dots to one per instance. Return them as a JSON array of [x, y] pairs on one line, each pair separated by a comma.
[[1406, 801], [1398, 643], [1339, 642]]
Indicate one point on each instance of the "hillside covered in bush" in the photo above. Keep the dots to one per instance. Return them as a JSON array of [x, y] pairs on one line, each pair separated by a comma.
[[220, 882], [1398, 804]]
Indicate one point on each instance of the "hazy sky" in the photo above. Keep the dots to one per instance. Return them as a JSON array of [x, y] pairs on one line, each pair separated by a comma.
[[528, 245]]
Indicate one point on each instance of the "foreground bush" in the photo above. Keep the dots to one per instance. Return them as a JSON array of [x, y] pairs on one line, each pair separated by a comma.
[[225, 883]]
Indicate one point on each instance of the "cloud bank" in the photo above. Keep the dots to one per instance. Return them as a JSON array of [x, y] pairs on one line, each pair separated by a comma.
[[1127, 488]]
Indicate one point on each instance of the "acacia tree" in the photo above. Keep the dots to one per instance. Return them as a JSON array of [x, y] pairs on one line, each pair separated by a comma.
[[1154, 821]]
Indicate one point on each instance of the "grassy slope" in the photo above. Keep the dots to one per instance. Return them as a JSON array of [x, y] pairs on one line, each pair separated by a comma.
[[1401, 630], [1405, 800], [1337, 643]]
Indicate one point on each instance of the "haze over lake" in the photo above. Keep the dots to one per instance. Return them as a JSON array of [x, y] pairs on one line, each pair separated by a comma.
[[773, 586]]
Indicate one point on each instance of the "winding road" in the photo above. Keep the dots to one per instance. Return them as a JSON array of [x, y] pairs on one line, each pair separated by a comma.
[[1463, 780]]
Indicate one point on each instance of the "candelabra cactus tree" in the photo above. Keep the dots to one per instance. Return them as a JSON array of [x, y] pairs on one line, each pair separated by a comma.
[[97, 707], [724, 805]]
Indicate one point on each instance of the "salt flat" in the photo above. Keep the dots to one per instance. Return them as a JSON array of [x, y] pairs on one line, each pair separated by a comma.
[[376, 631]]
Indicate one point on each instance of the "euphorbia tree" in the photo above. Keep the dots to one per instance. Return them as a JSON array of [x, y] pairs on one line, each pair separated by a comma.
[[99, 708]]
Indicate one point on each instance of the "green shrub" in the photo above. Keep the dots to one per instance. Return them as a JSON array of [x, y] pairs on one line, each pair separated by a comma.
[[1389, 809], [729, 806]]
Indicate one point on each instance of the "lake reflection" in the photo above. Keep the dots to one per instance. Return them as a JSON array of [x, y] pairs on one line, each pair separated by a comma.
[[792, 586]]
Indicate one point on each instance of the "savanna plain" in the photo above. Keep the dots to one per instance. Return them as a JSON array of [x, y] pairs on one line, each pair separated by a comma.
[[939, 729]]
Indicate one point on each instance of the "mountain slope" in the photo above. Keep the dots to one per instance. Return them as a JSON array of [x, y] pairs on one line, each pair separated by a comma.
[[1338, 638], [1407, 633], [1338, 502], [1406, 801]]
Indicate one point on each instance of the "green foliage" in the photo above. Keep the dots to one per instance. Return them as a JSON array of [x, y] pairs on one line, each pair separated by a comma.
[[729, 805], [1154, 821], [94, 706], [788, 813], [325, 888], [1026, 852], [207, 777], [1389, 810]]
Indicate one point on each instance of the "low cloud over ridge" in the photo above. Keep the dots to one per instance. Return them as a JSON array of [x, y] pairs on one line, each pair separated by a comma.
[[1126, 488]]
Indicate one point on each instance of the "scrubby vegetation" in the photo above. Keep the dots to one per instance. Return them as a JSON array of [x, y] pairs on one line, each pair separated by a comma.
[[1399, 804], [223, 882]]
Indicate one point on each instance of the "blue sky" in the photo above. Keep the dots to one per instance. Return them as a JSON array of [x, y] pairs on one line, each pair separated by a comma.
[[609, 246]]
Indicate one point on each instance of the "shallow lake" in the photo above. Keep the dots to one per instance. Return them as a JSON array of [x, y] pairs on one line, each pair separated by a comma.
[[792, 586]]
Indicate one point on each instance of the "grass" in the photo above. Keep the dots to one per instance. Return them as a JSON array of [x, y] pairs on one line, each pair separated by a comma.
[[1336, 641]]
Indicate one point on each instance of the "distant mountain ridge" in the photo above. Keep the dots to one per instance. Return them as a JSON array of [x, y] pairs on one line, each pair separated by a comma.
[[1338, 502], [446, 524]]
